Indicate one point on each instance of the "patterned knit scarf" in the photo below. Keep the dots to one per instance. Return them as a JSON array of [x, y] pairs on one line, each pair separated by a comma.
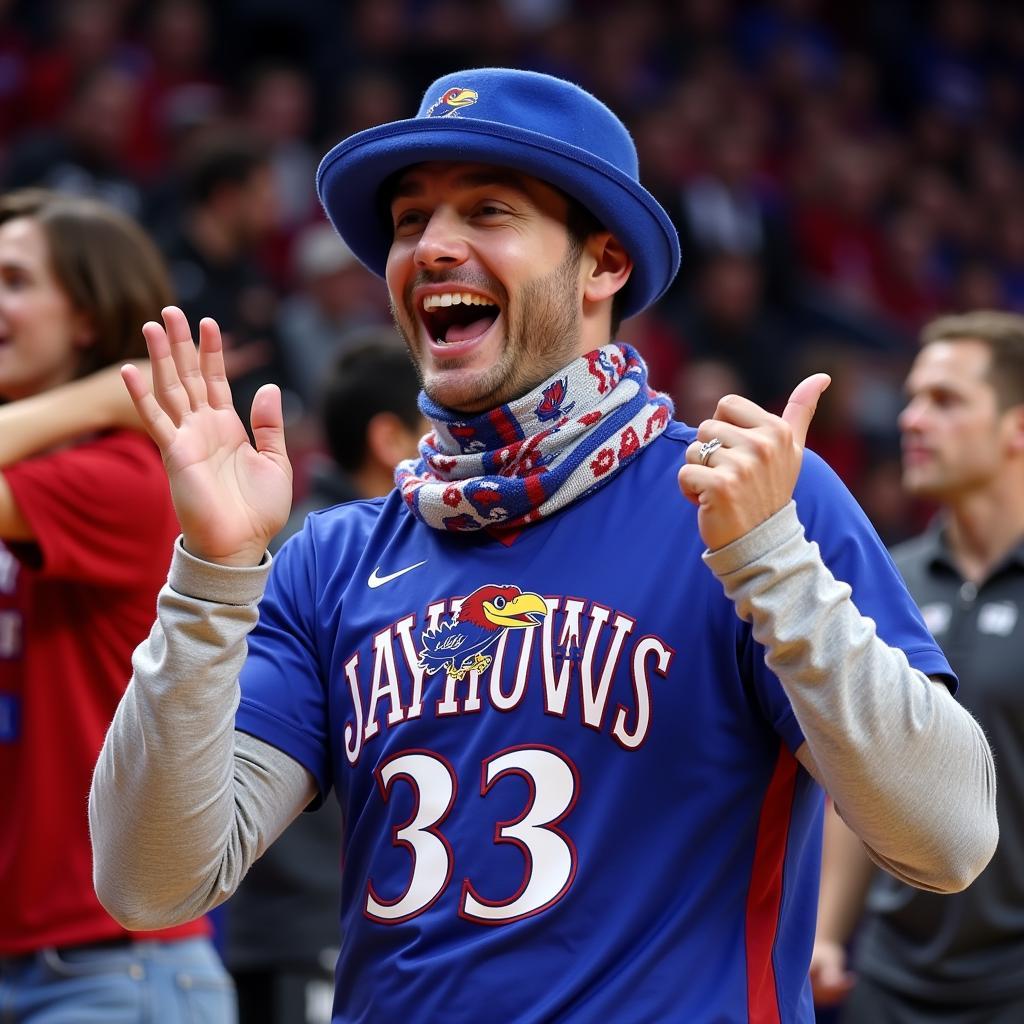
[[525, 460]]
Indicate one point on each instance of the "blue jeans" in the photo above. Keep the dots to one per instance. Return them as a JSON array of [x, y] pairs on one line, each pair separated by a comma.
[[137, 983]]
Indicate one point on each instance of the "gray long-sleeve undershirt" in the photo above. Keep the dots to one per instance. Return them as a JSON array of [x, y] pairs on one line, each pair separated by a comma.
[[182, 804]]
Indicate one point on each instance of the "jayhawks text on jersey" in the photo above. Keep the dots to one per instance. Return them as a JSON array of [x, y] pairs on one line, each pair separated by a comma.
[[566, 775], [501, 620]]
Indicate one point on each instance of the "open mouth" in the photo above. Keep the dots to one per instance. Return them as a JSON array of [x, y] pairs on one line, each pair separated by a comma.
[[451, 317]]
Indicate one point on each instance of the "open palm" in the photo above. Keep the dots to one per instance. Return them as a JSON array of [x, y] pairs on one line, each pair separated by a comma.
[[230, 497]]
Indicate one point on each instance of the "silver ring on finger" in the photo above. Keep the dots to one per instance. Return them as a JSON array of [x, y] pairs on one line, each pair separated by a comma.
[[708, 448]]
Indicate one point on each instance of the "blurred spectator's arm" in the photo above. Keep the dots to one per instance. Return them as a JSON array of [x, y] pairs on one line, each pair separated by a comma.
[[33, 425], [99, 401], [846, 872]]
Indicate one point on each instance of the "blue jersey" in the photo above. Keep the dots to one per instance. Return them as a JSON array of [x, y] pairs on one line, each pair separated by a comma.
[[566, 775]]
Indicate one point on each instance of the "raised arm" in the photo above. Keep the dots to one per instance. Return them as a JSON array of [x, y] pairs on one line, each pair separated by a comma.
[[32, 425], [180, 803], [96, 402], [880, 736]]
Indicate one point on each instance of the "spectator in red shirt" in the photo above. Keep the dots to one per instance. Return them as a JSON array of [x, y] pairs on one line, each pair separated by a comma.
[[85, 519]]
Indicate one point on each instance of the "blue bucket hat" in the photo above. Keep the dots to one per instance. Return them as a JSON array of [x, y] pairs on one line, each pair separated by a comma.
[[534, 123]]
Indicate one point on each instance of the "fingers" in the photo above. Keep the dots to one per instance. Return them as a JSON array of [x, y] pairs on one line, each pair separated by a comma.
[[741, 411], [167, 387], [211, 364], [267, 419], [751, 469], [183, 353], [694, 480], [157, 423], [184, 380], [737, 411], [728, 434], [802, 404]]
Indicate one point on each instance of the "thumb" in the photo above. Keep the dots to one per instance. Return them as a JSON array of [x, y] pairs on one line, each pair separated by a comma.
[[802, 404], [267, 419]]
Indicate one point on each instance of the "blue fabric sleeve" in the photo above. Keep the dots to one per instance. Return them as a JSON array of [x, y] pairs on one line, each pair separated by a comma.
[[284, 696]]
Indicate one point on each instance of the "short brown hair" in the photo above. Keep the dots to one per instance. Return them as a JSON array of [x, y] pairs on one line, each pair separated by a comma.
[[106, 264], [1003, 333]]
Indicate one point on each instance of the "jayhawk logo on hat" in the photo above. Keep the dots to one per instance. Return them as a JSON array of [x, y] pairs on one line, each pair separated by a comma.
[[452, 99]]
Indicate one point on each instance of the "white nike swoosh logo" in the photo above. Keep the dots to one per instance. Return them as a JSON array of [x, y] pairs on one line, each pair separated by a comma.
[[376, 580]]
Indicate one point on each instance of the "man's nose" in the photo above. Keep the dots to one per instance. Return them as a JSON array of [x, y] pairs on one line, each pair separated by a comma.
[[910, 416], [442, 243]]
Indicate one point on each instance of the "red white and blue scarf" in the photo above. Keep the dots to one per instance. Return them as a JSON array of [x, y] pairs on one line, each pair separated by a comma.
[[523, 461]]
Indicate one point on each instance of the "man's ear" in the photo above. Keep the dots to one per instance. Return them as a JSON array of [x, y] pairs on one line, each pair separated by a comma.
[[608, 267]]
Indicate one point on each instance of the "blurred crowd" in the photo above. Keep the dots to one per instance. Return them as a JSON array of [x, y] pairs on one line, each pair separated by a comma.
[[838, 173]]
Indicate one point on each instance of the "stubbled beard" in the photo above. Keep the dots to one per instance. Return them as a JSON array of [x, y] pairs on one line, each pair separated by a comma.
[[542, 330]]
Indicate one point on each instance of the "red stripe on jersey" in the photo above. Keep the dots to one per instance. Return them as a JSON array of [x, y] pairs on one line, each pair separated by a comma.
[[765, 896]]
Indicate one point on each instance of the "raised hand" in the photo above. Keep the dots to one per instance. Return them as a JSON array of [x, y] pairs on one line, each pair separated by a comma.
[[752, 473], [230, 497]]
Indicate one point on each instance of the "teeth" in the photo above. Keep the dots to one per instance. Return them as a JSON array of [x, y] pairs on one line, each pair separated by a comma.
[[454, 299]]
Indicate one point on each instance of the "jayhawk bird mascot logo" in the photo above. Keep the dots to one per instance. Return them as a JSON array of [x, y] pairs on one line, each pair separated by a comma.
[[451, 101], [458, 646]]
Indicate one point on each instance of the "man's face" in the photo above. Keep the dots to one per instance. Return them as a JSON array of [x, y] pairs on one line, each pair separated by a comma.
[[485, 282], [954, 437]]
